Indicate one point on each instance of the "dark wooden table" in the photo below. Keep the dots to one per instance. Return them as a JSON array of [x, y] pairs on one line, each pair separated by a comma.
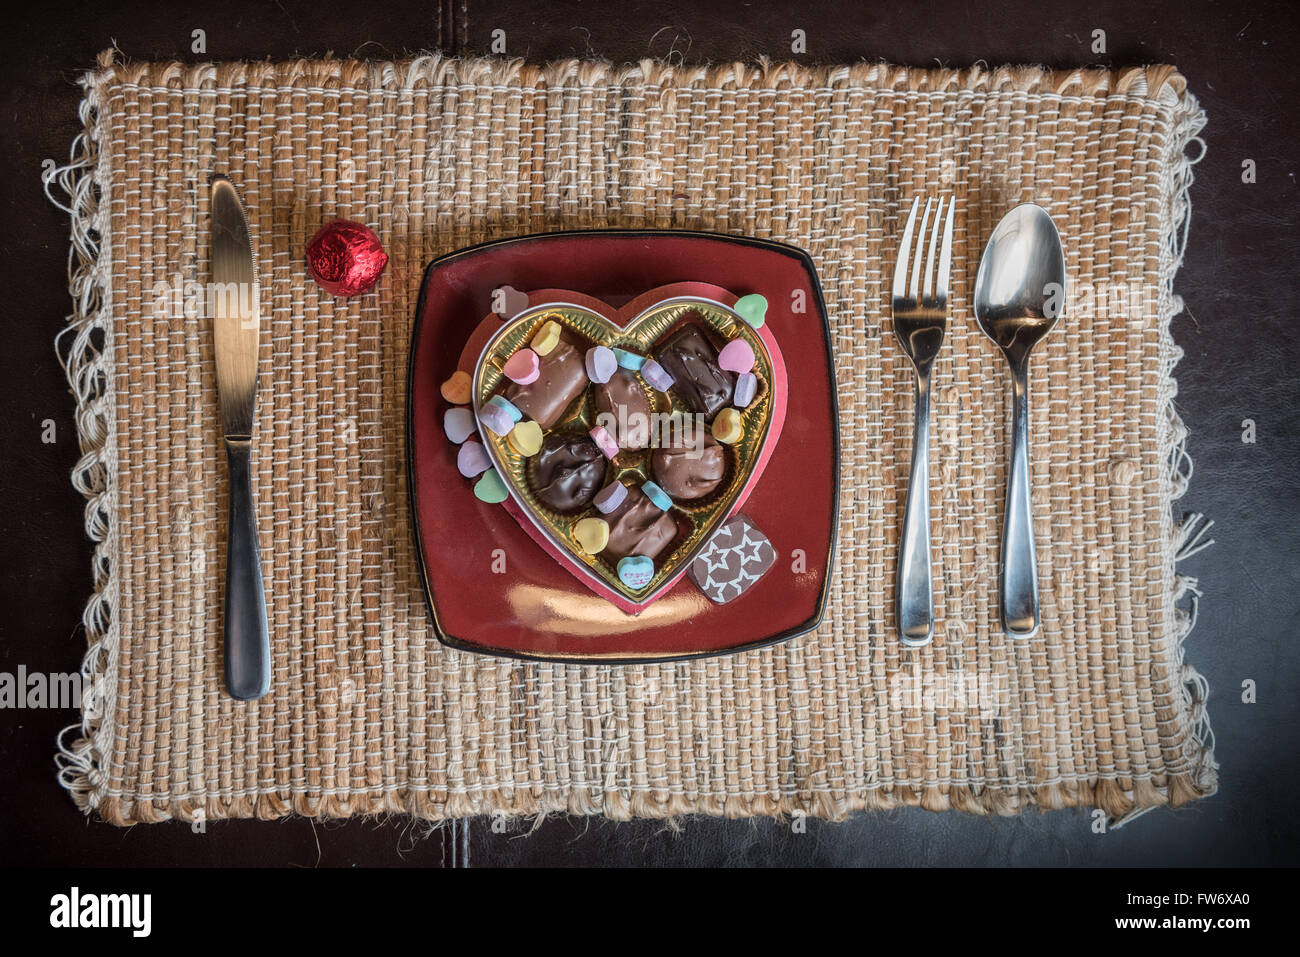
[[1239, 333]]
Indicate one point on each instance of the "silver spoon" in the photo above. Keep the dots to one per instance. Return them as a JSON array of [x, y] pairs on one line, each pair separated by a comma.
[[1019, 296]]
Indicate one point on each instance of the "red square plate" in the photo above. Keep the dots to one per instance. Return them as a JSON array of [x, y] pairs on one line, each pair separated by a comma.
[[491, 588]]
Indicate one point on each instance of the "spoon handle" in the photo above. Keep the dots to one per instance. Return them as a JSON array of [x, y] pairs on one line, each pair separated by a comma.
[[913, 599], [1019, 563]]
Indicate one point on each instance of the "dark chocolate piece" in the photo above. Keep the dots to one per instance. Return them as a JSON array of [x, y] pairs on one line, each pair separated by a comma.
[[638, 527], [690, 469], [623, 408], [561, 378], [736, 557], [692, 361], [568, 471]]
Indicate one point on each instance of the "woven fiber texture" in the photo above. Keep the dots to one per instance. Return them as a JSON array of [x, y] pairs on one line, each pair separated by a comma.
[[367, 712]]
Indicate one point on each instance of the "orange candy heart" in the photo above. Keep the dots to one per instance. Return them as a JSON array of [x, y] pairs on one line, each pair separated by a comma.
[[456, 390]]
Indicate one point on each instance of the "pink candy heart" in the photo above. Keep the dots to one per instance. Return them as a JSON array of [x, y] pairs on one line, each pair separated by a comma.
[[507, 301], [524, 367], [736, 356]]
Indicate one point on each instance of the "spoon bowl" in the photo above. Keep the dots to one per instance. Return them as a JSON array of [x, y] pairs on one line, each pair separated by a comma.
[[1020, 286], [1019, 297]]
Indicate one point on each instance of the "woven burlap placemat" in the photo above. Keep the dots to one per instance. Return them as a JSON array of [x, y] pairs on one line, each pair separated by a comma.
[[367, 712]]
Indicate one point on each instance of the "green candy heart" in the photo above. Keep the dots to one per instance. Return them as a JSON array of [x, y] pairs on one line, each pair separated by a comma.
[[752, 308], [490, 488]]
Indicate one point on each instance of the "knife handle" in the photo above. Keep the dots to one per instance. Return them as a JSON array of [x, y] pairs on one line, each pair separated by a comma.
[[248, 645]]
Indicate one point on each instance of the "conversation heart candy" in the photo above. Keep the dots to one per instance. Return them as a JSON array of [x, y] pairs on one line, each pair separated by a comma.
[[507, 301], [592, 534], [523, 367], [456, 389], [458, 423], [546, 338], [496, 418], [490, 488], [472, 459], [746, 389], [656, 376], [610, 497], [601, 363], [752, 308], [737, 356], [635, 571], [629, 360], [657, 495], [526, 438], [506, 406], [727, 427], [600, 435]]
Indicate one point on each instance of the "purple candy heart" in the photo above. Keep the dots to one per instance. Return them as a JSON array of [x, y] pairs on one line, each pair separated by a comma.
[[472, 459], [656, 376]]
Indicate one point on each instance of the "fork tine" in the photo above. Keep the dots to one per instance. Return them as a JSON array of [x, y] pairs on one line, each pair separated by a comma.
[[904, 247], [927, 291], [915, 290], [945, 256]]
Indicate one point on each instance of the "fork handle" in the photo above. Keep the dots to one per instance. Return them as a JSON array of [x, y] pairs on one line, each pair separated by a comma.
[[913, 597], [1019, 562]]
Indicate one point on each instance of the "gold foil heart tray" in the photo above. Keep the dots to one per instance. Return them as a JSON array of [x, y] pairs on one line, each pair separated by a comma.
[[696, 520]]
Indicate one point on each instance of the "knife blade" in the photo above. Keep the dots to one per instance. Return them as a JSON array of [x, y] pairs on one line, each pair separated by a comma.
[[236, 329]]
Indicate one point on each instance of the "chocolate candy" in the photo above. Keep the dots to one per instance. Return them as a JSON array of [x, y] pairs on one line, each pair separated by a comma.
[[639, 527], [746, 389], [522, 367], [727, 427], [736, 557], [567, 472], [656, 376], [753, 309], [635, 571], [610, 497], [623, 408], [687, 469], [458, 423], [561, 379], [692, 361], [601, 363], [737, 356]]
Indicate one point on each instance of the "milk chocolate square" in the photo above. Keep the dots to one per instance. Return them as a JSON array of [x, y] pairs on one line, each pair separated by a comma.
[[561, 378], [737, 556]]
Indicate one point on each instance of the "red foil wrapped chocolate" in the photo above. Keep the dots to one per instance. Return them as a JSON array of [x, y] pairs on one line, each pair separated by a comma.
[[345, 258]]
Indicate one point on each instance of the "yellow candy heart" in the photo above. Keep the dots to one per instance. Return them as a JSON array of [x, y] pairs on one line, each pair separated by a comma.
[[727, 428], [526, 438], [547, 337], [592, 534]]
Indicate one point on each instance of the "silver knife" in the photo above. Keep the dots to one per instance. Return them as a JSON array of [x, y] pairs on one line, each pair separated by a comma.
[[236, 324]]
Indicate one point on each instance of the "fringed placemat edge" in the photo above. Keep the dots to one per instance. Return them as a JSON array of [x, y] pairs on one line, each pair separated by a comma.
[[84, 346]]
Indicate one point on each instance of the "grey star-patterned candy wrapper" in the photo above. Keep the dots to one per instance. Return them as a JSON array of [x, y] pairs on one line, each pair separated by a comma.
[[737, 556]]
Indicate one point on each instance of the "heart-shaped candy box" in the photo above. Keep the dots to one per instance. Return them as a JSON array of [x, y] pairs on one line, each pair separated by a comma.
[[641, 327]]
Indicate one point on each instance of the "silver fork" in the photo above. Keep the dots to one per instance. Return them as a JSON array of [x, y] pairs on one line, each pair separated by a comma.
[[920, 320]]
